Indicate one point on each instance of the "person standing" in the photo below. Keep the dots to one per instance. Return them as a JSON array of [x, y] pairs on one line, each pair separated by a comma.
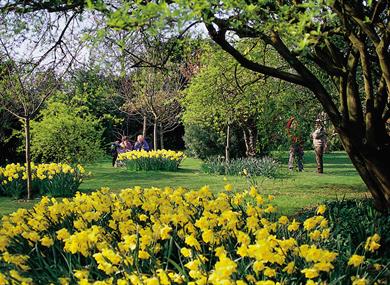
[[296, 144], [141, 143], [319, 143], [114, 152]]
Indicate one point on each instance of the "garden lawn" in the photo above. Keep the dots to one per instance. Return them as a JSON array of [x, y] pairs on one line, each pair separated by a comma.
[[293, 191]]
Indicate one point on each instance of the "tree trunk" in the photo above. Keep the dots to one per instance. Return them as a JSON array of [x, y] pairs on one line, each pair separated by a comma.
[[144, 127], [372, 165], [227, 148], [155, 134], [250, 137], [161, 136], [28, 157]]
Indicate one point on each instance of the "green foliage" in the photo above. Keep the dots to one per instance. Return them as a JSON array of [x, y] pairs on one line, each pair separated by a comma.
[[65, 134], [150, 164], [343, 215], [94, 93], [15, 188], [227, 90], [203, 142], [60, 185], [264, 166]]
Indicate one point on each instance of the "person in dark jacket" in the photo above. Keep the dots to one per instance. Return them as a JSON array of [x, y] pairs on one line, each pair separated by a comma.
[[296, 144], [114, 152]]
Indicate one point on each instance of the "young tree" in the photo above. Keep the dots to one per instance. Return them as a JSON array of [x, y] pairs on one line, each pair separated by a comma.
[[23, 91], [234, 96], [154, 95]]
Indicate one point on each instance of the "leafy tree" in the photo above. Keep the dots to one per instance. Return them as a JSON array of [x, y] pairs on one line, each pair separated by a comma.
[[92, 90], [223, 94], [346, 40], [65, 133]]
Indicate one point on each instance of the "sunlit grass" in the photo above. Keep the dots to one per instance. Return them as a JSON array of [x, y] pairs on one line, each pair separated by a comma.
[[293, 191]]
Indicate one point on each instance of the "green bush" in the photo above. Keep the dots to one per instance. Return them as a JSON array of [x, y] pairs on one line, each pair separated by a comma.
[[65, 134], [202, 142], [264, 166]]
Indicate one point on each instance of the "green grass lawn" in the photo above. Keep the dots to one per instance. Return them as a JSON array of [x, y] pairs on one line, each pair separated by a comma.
[[293, 191]]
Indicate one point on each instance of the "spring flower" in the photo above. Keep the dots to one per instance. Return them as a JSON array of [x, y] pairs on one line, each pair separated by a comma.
[[293, 226], [377, 266], [290, 267], [47, 241], [192, 241], [143, 254], [228, 187], [258, 266], [323, 266], [310, 273], [372, 243], [358, 281], [164, 232], [356, 260], [315, 235], [309, 224], [186, 252], [283, 220], [321, 209], [269, 272]]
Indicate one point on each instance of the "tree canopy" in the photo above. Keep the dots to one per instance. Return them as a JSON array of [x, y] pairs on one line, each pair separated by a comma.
[[344, 42]]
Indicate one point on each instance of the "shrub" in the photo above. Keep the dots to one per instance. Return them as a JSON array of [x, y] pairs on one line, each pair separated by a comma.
[[167, 160], [155, 236], [64, 133], [48, 179], [205, 142], [264, 166]]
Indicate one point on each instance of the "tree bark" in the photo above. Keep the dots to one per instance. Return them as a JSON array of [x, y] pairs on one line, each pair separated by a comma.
[[227, 147], [155, 134], [372, 165], [250, 137], [161, 136], [28, 156], [144, 127]]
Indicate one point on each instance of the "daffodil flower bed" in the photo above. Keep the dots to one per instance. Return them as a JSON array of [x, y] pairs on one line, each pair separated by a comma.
[[52, 179], [175, 236], [167, 160]]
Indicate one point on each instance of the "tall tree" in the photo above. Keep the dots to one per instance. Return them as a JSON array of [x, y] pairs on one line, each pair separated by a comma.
[[346, 40]]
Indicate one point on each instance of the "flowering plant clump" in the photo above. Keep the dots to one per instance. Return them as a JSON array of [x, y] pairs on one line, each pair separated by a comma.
[[52, 179], [174, 236], [168, 160]]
